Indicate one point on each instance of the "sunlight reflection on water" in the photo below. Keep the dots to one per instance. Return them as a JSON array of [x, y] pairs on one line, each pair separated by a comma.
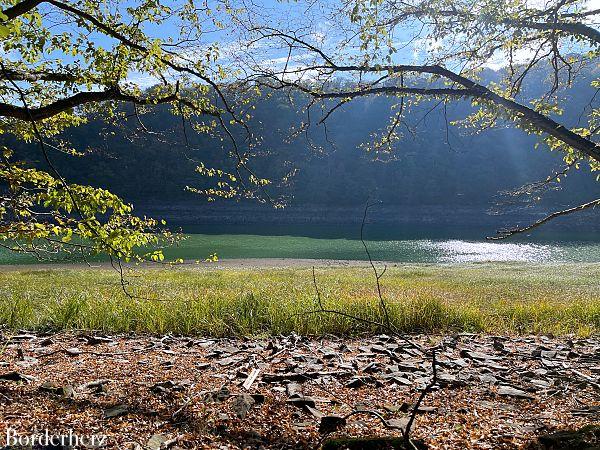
[[464, 251]]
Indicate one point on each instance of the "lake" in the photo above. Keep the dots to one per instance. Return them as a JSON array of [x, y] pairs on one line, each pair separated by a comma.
[[414, 251], [423, 244]]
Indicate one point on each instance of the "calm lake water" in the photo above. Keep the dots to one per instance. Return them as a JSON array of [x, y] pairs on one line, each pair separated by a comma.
[[424, 245], [415, 251]]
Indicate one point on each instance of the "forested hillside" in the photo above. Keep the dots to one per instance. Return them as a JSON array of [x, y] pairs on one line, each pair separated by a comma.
[[434, 164]]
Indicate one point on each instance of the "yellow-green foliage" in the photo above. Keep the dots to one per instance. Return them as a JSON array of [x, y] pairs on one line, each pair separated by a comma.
[[496, 298], [64, 63]]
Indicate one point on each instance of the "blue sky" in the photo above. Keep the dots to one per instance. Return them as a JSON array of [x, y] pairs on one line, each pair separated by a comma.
[[281, 14]]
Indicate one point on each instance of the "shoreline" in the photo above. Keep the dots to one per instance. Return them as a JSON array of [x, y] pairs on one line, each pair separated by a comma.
[[233, 263], [266, 263]]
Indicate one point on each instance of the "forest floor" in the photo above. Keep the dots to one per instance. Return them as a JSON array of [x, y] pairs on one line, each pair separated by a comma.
[[288, 392]]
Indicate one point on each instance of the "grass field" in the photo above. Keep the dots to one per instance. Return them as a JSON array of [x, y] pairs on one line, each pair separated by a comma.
[[494, 298]]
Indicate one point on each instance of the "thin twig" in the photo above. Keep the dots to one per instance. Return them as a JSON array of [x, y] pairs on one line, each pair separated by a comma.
[[378, 275], [424, 392]]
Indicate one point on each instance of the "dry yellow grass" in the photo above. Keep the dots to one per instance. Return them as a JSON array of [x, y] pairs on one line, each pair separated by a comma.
[[494, 298]]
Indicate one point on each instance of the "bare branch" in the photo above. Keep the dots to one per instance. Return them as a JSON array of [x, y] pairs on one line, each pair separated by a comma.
[[378, 275], [503, 234], [424, 392]]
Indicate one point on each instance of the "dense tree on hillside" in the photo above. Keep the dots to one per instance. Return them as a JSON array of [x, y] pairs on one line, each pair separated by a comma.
[[309, 171]]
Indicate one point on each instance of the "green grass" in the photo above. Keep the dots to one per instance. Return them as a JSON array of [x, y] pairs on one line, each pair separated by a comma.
[[494, 298]]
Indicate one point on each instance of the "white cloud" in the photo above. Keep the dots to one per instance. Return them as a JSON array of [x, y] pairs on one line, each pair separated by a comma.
[[142, 80]]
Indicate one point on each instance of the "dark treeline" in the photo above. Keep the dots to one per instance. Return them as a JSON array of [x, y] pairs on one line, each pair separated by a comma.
[[434, 165]]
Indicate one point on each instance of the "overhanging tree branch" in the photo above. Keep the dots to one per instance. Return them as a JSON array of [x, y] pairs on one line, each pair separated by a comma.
[[21, 8], [531, 22], [161, 60], [503, 234], [574, 28], [471, 89], [28, 5], [36, 75], [130, 43], [82, 98], [395, 90]]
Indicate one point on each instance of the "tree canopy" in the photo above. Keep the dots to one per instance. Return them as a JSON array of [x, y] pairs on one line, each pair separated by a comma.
[[64, 63]]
